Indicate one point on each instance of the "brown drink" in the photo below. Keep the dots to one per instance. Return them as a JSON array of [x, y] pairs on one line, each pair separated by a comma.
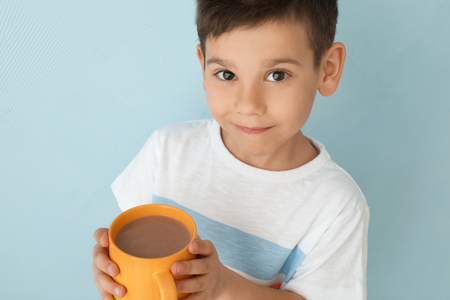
[[153, 236]]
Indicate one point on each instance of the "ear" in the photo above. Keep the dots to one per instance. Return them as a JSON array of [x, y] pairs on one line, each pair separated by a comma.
[[201, 60], [331, 70]]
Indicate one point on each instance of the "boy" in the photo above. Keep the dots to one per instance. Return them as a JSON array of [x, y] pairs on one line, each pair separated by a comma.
[[276, 217]]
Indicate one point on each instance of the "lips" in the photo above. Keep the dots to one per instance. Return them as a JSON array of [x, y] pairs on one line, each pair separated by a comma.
[[253, 130]]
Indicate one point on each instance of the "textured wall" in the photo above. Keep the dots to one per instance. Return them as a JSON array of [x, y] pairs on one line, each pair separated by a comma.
[[83, 83]]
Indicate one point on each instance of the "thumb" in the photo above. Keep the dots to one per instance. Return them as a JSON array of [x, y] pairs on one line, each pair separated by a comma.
[[104, 241], [101, 236]]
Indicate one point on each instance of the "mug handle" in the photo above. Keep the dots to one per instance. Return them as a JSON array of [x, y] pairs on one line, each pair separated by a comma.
[[166, 285]]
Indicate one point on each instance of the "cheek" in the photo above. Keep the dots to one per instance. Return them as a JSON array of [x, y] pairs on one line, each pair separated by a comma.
[[294, 105], [217, 101], [294, 108]]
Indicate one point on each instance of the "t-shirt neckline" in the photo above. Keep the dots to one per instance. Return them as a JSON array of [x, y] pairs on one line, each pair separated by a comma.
[[261, 174]]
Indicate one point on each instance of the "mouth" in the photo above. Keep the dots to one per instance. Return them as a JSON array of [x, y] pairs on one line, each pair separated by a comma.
[[253, 130]]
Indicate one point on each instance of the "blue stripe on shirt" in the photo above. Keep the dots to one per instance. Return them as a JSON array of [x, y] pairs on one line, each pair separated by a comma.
[[242, 251], [293, 261]]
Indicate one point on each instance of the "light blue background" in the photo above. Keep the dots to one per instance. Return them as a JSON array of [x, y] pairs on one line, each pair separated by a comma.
[[83, 84]]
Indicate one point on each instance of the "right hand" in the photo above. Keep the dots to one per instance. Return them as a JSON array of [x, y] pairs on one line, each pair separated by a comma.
[[104, 268]]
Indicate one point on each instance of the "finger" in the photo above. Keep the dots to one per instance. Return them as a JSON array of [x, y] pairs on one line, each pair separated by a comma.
[[198, 237], [110, 286], [101, 236], [103, 262], [104, 294], [202, 247], [191, 267], [197, 296], [191, 285]]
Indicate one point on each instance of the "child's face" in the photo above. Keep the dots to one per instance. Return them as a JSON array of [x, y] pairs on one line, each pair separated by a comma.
[[244, 89]]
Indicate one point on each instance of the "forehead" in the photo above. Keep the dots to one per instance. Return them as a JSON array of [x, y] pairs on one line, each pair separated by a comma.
[[263, 44]]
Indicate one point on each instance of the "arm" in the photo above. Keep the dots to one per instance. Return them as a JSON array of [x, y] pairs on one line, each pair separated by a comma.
[[335, 270], [336, 267], [213, 280], [241, 288]]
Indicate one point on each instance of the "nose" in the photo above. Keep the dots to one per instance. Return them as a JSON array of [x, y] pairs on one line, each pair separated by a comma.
[[250, 101]]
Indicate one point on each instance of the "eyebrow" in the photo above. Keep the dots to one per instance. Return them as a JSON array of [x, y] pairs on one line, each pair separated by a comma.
[[267, 63]]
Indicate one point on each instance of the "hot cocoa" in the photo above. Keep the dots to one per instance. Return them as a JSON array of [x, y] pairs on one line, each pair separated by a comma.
[[153, 236]]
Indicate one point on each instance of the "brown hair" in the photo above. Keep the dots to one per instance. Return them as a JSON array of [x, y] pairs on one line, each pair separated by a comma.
[[319, 17]]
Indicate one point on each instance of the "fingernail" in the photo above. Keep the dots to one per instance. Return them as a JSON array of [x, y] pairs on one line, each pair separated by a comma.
[[117, 291], [110, 270], [195, 247], [179, 268], [101, 239]]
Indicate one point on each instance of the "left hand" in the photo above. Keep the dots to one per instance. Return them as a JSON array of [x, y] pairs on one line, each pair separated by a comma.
[[210, 277]]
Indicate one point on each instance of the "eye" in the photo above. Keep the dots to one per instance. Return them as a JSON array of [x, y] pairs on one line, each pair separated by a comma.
[[279, 76], [227, 75]]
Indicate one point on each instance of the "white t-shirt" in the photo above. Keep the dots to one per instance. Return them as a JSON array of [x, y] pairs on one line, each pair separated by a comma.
[[302, 230]]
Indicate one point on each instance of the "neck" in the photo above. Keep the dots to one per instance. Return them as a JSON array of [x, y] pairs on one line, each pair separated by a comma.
[[294, 153]]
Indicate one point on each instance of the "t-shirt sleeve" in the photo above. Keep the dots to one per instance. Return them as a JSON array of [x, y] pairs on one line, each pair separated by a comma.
[[134, 185], [336, 266]]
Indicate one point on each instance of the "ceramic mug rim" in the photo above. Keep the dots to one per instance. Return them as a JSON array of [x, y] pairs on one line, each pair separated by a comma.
[[139, 207]]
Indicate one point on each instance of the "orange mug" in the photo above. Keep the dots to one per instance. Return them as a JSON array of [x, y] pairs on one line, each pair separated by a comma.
[[149, 278]]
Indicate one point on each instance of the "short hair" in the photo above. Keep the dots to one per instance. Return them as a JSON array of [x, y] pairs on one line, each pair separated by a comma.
[[214, 17]]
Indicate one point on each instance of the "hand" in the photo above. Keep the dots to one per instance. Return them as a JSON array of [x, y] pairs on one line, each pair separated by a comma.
[[210, 277], [104, 268]]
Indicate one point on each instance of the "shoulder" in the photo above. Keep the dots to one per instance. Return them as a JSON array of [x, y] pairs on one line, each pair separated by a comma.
[[336, 200], [341, 191], [182, 137], [183, 130]]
